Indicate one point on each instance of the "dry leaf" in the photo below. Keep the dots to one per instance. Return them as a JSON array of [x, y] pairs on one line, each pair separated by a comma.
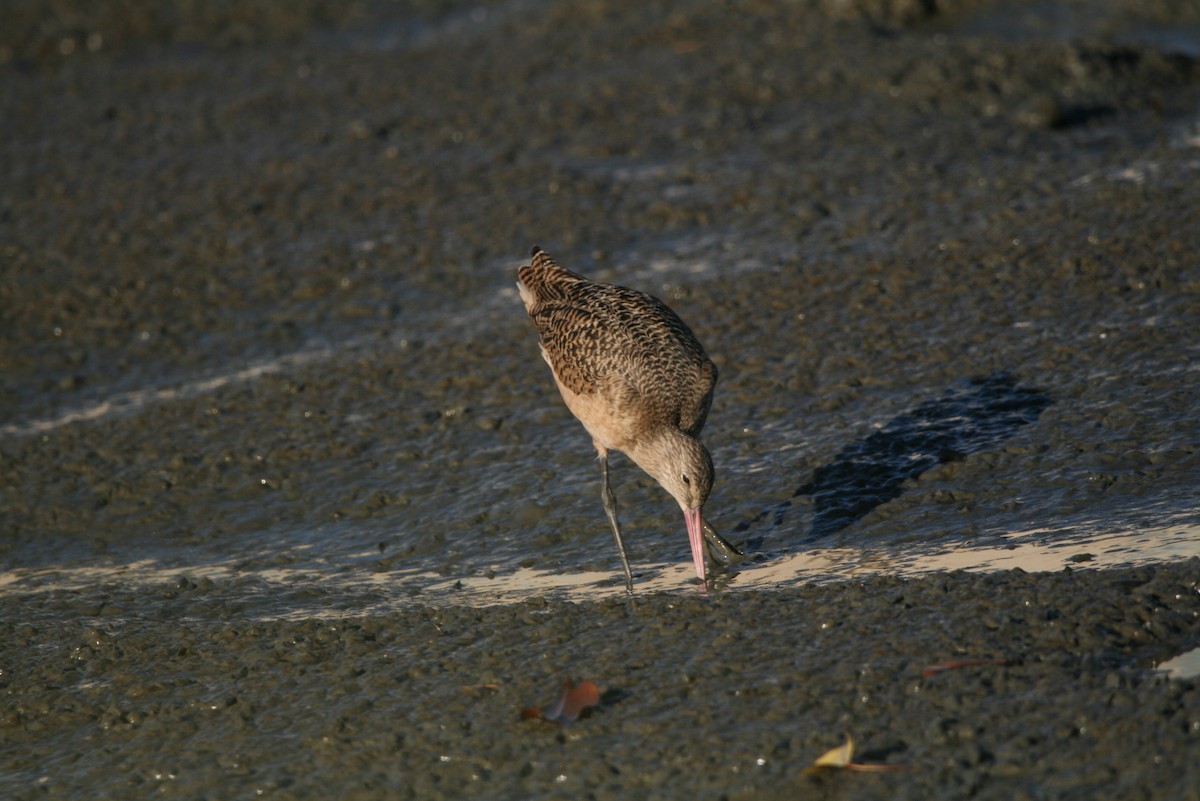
[[476, 688], [838, 757], [843, 757], [572, 702]]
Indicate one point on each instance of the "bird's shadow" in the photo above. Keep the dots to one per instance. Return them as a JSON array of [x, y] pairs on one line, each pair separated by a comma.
[[969, 418]]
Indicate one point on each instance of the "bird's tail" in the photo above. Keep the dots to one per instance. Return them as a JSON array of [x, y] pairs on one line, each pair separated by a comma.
[[540, 259], [543, 278]]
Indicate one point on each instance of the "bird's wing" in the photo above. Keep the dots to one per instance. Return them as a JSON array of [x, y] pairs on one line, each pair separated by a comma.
[[670, 368], [693, 411], [577, 343], [629, 346]]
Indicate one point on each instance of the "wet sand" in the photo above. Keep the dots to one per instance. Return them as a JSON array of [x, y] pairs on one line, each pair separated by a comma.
[[198, 690], [271, 417]]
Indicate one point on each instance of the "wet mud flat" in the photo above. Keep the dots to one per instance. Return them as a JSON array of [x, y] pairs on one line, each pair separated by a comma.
[[198, 689], [263, 373]]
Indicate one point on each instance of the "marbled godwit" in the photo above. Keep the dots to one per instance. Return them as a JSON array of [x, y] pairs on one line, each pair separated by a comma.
[[638, 380]]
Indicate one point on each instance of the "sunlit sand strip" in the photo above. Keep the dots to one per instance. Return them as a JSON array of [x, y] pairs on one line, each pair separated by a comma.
[[365, 590], [142, 572], [1184, 666]]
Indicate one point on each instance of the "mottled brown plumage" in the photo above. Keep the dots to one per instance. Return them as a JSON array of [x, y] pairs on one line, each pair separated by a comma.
[[636, 377]]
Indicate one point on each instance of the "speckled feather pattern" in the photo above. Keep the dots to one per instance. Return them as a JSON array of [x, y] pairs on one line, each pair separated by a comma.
[[624, 350]]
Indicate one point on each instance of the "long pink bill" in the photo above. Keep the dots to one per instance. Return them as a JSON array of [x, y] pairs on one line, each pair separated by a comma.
[[695, 527]]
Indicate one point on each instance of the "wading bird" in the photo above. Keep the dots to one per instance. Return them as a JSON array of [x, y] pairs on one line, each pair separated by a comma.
[[638, 379]]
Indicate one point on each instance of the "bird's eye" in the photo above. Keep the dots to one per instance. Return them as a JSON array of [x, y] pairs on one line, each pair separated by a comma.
[[687, 480]]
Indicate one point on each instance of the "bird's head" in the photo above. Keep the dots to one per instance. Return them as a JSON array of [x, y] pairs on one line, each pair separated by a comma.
[[682, 466]]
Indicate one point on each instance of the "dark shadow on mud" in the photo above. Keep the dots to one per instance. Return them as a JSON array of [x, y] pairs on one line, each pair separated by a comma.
[[968, 419]]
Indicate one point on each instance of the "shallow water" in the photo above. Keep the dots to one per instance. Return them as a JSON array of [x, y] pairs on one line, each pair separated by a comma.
[[831, 518]]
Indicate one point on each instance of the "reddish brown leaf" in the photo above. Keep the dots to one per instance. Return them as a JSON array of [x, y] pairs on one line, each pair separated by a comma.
[[933, 670], [875, 767], [572, 701]]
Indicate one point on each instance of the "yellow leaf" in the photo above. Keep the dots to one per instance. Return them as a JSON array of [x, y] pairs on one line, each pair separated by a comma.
[[838, 757]]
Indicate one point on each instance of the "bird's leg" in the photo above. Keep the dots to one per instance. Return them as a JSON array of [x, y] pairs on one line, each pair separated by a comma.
[[610, 507]]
